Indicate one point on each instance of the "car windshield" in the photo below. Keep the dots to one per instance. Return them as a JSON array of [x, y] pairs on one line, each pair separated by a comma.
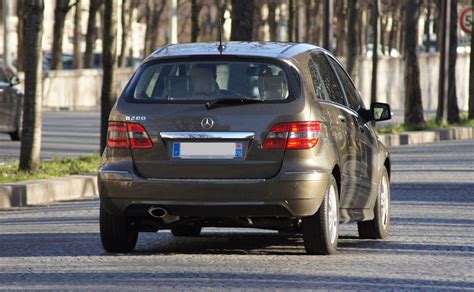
[[210, 80]]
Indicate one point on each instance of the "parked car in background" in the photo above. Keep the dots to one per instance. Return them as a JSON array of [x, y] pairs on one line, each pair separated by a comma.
[[11, 102], [259, 135]]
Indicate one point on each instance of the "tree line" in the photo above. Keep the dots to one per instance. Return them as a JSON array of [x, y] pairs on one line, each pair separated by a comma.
[[386, 27]]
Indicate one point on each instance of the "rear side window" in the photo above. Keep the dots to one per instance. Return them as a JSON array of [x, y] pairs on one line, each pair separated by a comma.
[[330, 80], [201, 80], [318, 83], [351, 92]]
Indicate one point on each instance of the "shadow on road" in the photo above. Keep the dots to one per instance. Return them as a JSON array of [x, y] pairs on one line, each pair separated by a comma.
[[245, 243], [433, 193], [228, 280]]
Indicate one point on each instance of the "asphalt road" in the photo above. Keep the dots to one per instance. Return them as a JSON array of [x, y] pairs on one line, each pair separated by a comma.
[[431, 244], [65, 134]]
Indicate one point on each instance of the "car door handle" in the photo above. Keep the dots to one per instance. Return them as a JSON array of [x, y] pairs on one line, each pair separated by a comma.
[[341, 118]]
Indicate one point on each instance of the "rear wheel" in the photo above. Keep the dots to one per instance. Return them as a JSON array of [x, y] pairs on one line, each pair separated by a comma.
[[16, 136], [321, 230], [186, 230], [379, 226], [116, 233]]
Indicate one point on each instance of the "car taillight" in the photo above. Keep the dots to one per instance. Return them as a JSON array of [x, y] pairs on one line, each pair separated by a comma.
[[296, 135], [127, 136]]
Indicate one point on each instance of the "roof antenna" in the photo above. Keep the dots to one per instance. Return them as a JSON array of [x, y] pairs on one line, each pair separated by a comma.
[[221, 46]]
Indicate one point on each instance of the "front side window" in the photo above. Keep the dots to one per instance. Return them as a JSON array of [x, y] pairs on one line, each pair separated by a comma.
[[351, 92], [201, 81]]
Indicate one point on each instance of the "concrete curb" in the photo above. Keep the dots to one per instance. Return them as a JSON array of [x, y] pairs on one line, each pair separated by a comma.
[[37, 192], [422, 137]]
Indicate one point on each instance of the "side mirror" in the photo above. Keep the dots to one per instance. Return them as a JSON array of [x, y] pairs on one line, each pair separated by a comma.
[[14, 80], [380, 112]]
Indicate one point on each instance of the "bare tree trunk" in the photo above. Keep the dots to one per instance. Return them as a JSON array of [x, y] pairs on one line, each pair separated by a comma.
[[351, 49], [308, 8], [153, 22], [362, 33], [383, 29], [195, 28], [91, 33], [317, 35], [471, 82], [109, 49], [60, 12], [426, 30], [257, 20], [444, 45], [453, 109], [21, 15], [392, 36], [341, 27], [328, 13], [402, 30], [375, 51], [31, 133], [221, 7], [291, 20], [272, 23], [242, 20], [77, 55], [126, 18], [297, 21], [413, 102]]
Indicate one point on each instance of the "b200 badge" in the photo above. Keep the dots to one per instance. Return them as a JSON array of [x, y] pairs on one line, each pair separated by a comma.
[[135, 118]]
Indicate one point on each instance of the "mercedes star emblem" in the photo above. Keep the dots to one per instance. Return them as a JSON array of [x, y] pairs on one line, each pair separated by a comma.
[[207, 123]]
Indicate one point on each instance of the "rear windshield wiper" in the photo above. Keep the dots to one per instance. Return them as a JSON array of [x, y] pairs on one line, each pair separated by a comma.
[[231, 101]]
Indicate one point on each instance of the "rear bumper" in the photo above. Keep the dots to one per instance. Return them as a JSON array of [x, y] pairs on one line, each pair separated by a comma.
[[294, 194]]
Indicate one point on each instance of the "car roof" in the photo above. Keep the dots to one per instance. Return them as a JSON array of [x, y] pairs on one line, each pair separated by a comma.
[[282, 50]]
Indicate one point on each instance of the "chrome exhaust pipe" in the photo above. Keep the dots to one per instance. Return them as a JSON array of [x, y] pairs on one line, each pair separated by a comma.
[[157, 212]]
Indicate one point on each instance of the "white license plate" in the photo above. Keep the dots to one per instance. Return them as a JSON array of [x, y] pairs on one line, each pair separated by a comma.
[[207, 150]]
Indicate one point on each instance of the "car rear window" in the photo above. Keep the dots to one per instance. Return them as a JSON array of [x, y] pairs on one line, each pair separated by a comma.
[[204, 80]]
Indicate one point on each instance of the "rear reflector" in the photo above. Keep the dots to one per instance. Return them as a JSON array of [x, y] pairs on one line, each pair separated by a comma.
[[127, 136], [296, 135]]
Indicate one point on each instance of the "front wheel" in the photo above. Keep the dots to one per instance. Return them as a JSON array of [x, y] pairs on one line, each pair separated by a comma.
[[321, 230], [378, 227], [116, 233]]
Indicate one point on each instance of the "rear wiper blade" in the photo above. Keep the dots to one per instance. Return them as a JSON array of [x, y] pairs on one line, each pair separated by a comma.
[[231, 101]]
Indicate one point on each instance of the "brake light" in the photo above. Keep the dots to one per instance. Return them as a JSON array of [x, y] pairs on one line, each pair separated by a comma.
[[127, 136], [296, 135]]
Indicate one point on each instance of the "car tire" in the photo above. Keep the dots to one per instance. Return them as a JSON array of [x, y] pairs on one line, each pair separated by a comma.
[[15, 136], [321, 230], [116, 233], [186, 231], [378, 228]]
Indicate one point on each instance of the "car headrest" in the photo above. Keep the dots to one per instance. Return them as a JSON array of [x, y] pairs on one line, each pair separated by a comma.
[[273, 87], [177, 87], [202, 81]]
